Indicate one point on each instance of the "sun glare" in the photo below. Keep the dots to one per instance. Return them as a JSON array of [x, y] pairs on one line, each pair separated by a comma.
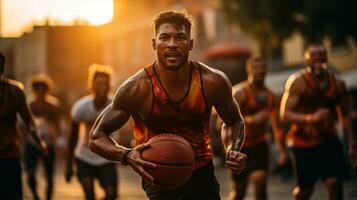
[[18, 15], [99, 13]]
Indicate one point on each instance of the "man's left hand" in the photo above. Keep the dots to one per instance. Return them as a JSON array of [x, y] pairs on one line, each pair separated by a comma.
[[236, 161], [353, 157]]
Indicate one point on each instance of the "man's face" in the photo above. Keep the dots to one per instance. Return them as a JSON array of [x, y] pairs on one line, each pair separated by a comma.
[[316, 59], [172, 45], [101, 85], [40, 89], [259, 71]]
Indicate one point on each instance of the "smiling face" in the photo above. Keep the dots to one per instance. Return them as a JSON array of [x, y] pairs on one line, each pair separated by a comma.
[[172, 44], [316, 59]]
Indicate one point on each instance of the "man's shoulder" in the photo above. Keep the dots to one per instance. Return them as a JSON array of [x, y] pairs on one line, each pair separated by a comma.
[[239, 87], [207, 70], [14, 84], [135, 82], [296, 78], [211, 75], [52, 100], [135, 87], [83, 102]]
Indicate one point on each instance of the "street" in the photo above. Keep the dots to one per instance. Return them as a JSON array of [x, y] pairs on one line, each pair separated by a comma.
[[130, 187]]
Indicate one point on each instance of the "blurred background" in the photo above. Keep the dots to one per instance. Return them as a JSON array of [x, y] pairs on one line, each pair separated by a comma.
[[63, 37]]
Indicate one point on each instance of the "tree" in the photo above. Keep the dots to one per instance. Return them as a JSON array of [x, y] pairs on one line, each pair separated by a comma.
[[271, 21]]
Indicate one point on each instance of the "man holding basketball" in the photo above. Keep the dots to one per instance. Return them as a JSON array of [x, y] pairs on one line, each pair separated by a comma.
[[173, 95], [314, 98]]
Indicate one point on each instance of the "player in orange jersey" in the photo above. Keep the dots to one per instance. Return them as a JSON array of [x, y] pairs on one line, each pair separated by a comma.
[[173, 95], [314, 98], [259, 107]]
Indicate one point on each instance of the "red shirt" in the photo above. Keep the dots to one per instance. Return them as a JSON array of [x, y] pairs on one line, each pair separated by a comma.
[[308, 135], [255, 134], [188, 117]]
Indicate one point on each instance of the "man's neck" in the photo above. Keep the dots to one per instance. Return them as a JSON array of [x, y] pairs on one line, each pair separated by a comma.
[[40, 99], [256, 85], [99, 102], [177, 77]]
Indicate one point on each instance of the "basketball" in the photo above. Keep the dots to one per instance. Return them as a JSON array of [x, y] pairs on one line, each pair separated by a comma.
[[174, 159]]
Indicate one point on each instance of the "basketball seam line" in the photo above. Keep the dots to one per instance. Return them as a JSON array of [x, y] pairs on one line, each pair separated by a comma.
[[189, 146]]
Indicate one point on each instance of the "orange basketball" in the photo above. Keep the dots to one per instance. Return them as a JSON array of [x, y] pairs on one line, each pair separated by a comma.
[[174, 159]]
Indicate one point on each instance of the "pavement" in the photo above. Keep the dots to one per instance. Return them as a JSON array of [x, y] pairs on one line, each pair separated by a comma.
[[130, 186]]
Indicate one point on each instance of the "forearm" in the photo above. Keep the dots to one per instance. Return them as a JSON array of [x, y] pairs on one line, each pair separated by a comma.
[[33, 132], [347, 126], [72, 143], [107, 147], [279, 136], [280, 140], [233, 135], [295, 117]]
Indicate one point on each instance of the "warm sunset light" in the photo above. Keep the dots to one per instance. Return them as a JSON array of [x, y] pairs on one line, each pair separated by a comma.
[[18, 16]]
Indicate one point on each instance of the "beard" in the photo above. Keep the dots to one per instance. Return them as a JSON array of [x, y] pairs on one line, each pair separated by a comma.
[[173, 63]]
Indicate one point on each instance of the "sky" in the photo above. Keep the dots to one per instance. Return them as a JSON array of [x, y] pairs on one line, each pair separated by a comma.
[[18, 16]]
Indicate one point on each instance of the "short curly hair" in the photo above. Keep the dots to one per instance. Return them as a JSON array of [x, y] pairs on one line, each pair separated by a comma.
[[41, 79], [175, 17], [98, 69]]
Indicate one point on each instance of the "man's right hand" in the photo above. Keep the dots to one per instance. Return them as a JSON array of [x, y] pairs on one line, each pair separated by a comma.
[[320, 115], [261, 117], [138, 164], [43, 147]]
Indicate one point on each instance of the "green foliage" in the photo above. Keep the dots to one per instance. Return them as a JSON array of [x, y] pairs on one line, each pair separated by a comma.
[[271, 21]]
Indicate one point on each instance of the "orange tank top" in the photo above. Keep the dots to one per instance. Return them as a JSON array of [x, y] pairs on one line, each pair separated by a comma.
[[252, 104], [188, 117], [308, 135]]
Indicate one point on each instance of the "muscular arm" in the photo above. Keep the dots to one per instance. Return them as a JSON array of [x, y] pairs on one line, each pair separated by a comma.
[[219, 92], [294, 87], [26, 116], [114, 117], [111, 119], [343, 109], [72, 140], [233, 126], [277, 130], [71, 144]]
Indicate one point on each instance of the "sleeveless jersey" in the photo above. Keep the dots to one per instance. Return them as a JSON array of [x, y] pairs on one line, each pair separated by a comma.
[[308, 135], [9, 137], [252, 105], [188, 117]]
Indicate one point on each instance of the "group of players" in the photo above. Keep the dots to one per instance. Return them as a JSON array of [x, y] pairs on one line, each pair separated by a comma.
[[176, 95]]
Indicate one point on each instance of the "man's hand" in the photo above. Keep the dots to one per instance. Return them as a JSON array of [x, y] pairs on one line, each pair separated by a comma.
[[353, 157], [236, 161], [69, 172], [283, 158], [261, 117], [138, 164], [320, 115], [43, 146]]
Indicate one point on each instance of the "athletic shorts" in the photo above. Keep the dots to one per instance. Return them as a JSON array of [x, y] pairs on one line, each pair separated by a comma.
[[32, 154], [322, 161], [10, 179], [106, 174], [257, 159], [201, 185]]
